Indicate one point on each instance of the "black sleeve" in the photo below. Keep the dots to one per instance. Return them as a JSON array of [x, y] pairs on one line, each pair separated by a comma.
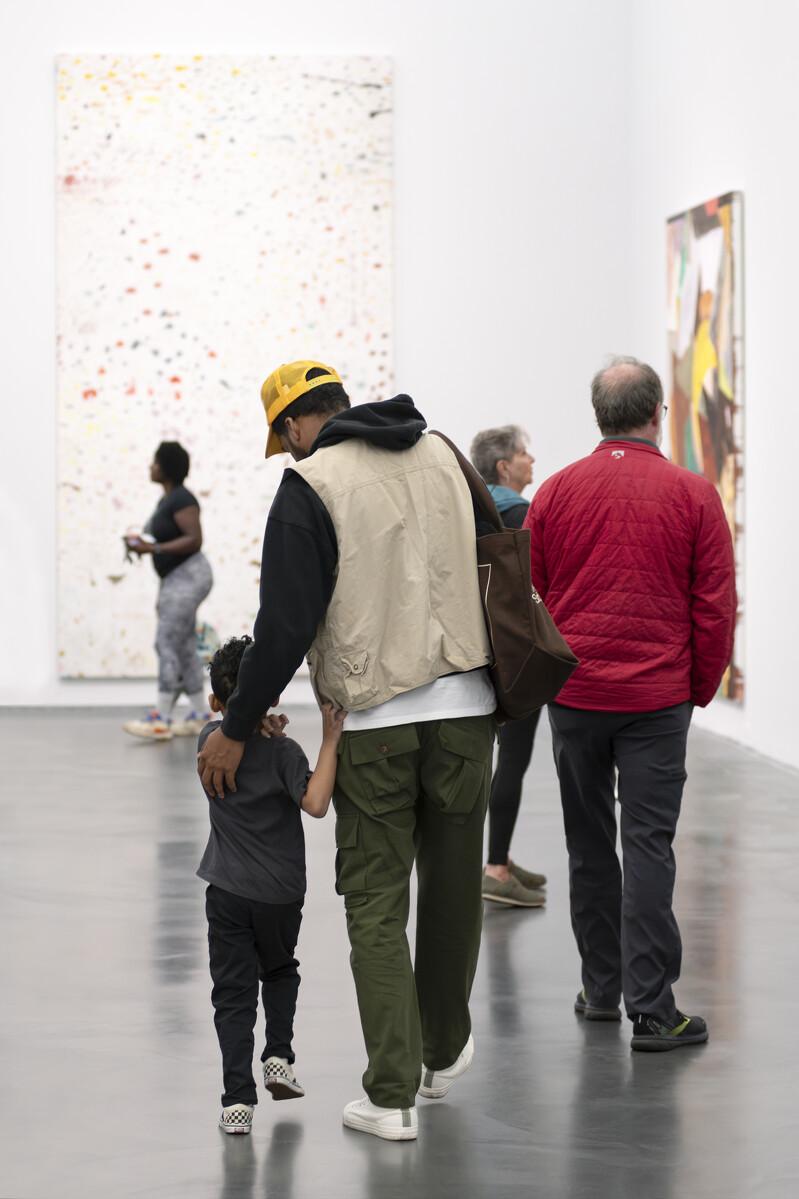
[[513, 518], [295, 772], [298, 566]]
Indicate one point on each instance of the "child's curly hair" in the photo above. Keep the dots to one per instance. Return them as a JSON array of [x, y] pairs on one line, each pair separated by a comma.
[[224, 667]]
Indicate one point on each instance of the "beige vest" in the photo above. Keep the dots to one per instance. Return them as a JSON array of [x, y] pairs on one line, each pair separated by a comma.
[[406, 607]]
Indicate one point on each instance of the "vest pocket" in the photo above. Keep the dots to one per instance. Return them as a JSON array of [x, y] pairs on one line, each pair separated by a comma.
[[350, 860], [385, 772]]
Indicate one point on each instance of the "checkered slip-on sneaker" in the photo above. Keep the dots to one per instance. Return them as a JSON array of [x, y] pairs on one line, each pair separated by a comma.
[[280, 1080], [236, 1119]]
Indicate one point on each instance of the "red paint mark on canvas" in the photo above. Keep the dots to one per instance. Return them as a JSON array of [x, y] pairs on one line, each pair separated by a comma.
[[120, 343], [130, 290], [194, 257], [89, 393], [163, 250], [148, 266], [712, 207], [174, 378], [212, 353], [101, 370], [147, 312], [131, 390]]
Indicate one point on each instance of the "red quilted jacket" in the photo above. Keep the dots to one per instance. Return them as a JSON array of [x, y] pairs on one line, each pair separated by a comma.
[[634, 559]]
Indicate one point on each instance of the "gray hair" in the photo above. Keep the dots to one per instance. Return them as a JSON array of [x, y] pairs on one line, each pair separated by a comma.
[[625, 396], [492, 445]]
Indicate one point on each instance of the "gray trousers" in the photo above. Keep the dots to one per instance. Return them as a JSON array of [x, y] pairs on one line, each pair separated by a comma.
[[179, 596], [626, 932]]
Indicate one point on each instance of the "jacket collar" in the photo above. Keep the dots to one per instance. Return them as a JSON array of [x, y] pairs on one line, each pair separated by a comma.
[[635, 443]]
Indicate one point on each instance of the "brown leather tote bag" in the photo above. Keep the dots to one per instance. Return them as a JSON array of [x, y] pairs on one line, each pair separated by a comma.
[[532, 661]]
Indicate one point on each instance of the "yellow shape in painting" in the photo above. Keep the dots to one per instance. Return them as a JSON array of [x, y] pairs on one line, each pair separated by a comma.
[[198, 58], [704, 359], [181, 68], [153, 99]]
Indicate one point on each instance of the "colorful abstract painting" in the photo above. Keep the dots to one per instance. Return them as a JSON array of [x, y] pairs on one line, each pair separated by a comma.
[[706, 406], [216, 216]]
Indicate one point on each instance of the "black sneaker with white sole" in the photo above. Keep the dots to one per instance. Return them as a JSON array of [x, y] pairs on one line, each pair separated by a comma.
[[280, 1079], [651, 1035], [594, 1011]]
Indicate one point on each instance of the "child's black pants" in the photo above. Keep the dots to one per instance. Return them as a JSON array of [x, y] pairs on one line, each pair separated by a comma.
[[250, 942]]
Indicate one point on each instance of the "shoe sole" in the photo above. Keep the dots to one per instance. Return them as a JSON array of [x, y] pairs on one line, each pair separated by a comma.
[[385, 1134], [513, 903], [235, 1132], [284, 1090], [598, 1013], [665, 1044], [440, 1092], [150, 736]]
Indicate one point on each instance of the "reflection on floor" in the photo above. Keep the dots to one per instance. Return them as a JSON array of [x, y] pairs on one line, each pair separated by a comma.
[[109, 1060]]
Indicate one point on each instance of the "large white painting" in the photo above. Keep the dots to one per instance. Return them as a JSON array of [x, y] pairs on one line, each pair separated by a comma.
[[216, 216]]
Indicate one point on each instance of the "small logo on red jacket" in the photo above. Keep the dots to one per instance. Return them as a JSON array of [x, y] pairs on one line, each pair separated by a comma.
[[617, 453]]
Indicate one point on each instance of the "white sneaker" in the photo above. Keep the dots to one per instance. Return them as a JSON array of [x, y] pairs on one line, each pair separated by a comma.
[[153, 726], [280, 1079], [192, 725], [390, 1123], [236, 1119], [436, 1083]]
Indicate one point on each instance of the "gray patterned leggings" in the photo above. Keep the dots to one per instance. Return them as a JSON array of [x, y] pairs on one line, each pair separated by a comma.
[[179, 596]]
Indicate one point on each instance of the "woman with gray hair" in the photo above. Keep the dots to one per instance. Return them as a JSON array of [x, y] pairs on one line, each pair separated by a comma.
[[502, 458]]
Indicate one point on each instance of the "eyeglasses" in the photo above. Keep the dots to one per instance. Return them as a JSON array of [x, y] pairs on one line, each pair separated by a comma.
[[664, 408]]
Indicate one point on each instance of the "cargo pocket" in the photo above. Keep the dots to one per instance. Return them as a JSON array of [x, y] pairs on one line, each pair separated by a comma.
[[384, 770], [462, 770], [350, 859]]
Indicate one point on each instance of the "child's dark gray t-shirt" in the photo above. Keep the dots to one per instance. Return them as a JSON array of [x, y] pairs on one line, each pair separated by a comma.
[[257, 847]]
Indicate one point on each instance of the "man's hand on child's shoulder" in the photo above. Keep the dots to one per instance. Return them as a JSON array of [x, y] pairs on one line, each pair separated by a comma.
[[332, 723]]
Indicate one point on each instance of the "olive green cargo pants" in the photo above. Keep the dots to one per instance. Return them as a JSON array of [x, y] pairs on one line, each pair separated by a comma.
[[412, 792]]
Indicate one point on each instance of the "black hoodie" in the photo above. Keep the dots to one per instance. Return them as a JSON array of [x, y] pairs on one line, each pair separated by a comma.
[[298, 563]]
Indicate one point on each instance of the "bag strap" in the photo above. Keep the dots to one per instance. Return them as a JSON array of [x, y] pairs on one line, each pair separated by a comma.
[[481, 497]]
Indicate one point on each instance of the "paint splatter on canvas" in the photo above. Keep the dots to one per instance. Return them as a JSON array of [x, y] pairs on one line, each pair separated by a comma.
[[216, 216], [705, 298]]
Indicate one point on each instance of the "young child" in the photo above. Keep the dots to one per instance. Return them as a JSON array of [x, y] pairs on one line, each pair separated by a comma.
[[254, 864]]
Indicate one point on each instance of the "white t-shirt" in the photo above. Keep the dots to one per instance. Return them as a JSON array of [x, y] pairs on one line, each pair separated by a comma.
[[468, 694]]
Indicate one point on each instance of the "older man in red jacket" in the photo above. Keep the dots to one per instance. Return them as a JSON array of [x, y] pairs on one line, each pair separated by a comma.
[[634, 559]]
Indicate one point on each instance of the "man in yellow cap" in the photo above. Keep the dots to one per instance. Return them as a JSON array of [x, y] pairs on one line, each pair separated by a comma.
[[370, 569]]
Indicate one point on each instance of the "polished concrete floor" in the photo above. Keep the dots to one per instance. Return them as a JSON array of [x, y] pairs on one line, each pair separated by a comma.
[[109, 1060]]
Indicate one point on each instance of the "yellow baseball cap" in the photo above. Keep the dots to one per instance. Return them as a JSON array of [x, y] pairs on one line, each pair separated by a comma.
[[283, 387]]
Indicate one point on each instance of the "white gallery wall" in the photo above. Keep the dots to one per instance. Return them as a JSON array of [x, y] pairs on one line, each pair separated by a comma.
[[539, 148]]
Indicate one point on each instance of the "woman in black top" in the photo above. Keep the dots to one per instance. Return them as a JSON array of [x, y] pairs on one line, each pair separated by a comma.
[[501, 457], [173, 537]]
